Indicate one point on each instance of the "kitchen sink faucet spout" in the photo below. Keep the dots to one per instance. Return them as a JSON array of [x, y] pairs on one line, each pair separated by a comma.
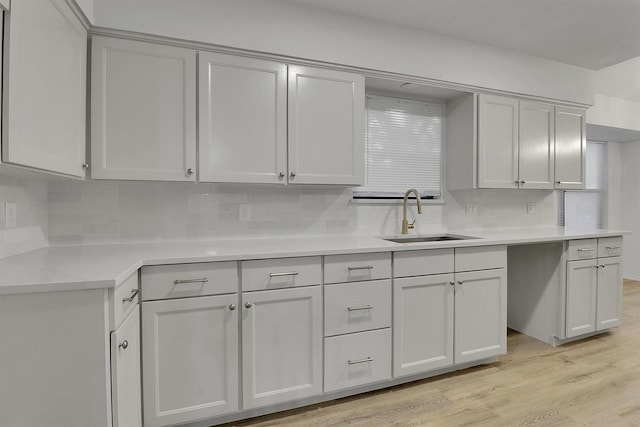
[[405, 224]]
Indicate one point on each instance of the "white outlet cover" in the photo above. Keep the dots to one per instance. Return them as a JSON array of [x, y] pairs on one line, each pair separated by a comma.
[[10, 214]]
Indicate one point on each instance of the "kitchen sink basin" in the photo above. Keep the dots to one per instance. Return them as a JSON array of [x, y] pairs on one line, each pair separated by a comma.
[[426, 239]]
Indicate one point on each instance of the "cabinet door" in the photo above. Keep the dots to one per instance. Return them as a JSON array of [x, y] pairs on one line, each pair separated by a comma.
[[581, 297], [142, 111], [423, 323], [609, 299], [243, 119], [497, 142], [189, 359], [571, 146], [326, 127], [281, 345], [44, 87], [481, 314], [125, 372], [536, 145]]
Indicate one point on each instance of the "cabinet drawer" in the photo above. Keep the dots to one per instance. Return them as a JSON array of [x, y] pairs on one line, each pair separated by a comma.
[[280, 273], [124, 300], [355, 307], [481, 258], [188, 280], [356, 267], [357, 359], [582, 249], [610, 246], [422, 262]]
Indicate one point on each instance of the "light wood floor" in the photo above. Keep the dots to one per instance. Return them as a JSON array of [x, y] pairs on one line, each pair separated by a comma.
[[594, 382]]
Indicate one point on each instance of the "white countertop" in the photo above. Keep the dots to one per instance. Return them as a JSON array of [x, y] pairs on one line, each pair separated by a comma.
[[60, 268]]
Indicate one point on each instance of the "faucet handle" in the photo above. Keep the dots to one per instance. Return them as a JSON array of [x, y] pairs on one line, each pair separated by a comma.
[[411, 225]]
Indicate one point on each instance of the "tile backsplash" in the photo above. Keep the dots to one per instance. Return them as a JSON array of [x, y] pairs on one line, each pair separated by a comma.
[[113, 212]]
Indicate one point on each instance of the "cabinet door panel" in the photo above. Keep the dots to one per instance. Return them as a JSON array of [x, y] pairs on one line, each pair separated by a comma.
[[536, 145], [44, 88], [581, 297], [281, 345], [125, 372], [481, 314], [423, 324], [497, 142], [190, 359], [142, 111], [571, 146], [326, 127], [609, 301], [243, 119]]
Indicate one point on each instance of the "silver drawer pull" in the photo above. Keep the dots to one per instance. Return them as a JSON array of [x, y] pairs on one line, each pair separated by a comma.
[[288, 273], [613, 247], [364, 307], [365, 360], [364, 267], [123, 345], [585, 250], [134, 294], [180, 282]]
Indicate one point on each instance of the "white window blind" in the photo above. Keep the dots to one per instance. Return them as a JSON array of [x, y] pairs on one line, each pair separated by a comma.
[[584, 209], [403, 148]]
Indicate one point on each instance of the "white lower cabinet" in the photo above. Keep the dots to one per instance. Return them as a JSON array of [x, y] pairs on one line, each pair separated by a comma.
[[126, 393], [451, 318], [281, 345], [190, 359]]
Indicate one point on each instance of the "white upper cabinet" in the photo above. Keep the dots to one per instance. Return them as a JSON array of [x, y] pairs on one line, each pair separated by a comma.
[[143, 111], [326, 126], [515, 143], [243, 119], [497, 142], [571, 146], [44, 87], [536, 145]]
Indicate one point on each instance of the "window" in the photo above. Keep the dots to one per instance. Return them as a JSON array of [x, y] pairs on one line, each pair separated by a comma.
[[584, 209], [403, 148]]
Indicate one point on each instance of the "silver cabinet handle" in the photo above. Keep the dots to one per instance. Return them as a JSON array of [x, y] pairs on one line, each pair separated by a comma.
[[232, 307], [602, 266], [85, 166], [363, 307], [287, 273], [522, 182], [134, 294], [613, 247], [293, 174], [365, 360], [452, 283], [123, 345], [189, 171], [180, 282], [281, 175], [248, 305], [460, 282], [585, 250], [364, 267]]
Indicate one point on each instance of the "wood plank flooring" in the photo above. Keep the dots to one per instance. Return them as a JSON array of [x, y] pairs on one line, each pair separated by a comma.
[[593, 382]]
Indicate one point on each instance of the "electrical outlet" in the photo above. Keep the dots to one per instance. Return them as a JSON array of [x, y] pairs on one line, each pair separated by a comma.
[[531, 208], [244, 212], [10, 214], [472, 210]]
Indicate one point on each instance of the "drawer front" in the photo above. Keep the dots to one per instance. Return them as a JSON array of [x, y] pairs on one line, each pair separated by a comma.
[[582, 249], [125, 299], [610, 246], [189, 280], [357, 359], [480, 258], [355, 307], [422, 262], [357, 267], [279, 273]]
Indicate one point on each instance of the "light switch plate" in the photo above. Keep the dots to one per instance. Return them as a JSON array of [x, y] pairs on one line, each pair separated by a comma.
[[10, 214]]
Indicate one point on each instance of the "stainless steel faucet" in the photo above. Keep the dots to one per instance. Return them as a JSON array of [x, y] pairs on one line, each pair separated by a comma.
[[405, 224]]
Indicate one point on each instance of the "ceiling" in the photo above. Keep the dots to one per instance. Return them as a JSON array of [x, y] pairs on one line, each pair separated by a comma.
[[591, 34]]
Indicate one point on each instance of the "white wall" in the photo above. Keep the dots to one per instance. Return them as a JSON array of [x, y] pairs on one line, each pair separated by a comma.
[[630, 212], [276, 26]]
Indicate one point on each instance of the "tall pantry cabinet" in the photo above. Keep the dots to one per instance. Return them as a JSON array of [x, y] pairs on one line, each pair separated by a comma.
[[44, 95]]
